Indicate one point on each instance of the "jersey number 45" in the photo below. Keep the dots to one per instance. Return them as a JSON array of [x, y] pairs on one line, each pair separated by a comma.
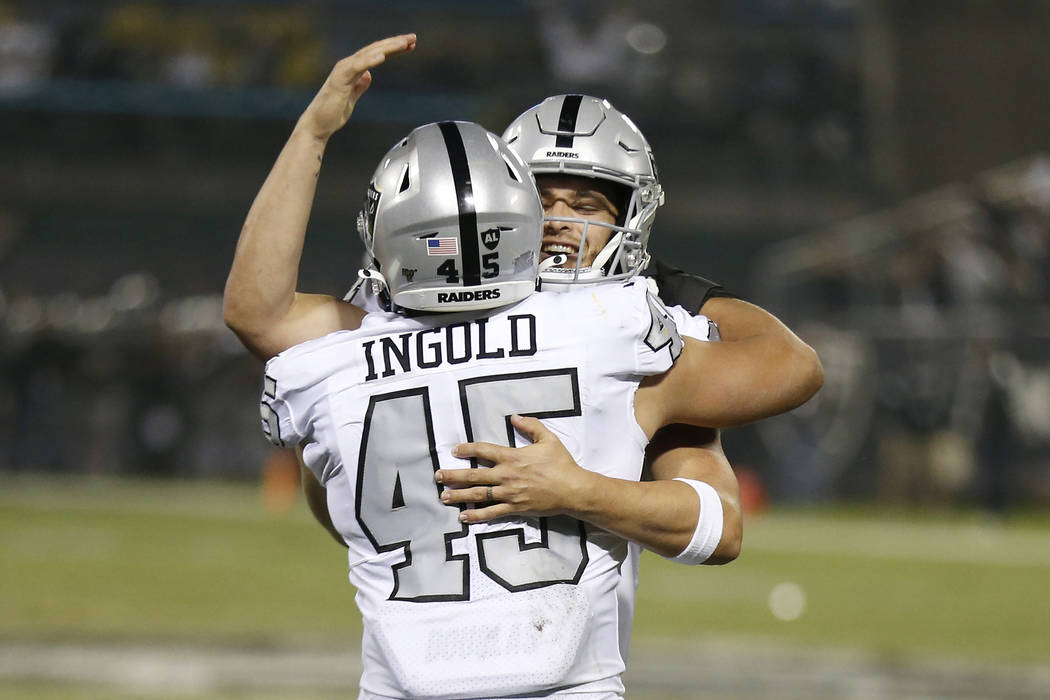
[[398, 505]]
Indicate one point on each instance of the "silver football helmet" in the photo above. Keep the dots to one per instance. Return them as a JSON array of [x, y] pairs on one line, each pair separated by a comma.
[[587, 136], [452, 220]]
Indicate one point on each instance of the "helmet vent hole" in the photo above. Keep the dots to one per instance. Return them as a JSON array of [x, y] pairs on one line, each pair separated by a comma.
[[405, 182], [514, 175], [627, 148]]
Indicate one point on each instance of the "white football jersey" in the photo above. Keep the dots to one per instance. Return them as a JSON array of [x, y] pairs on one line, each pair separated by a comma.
[[516, 606], [701, 328]]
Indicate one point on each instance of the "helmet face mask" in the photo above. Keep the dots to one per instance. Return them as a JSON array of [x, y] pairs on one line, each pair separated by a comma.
[[622, 251], [453, 221], [587, 137]]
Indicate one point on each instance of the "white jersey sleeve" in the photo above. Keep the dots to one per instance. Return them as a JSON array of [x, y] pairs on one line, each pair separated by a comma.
[[663, 333], [286, 406], [699, 327], [645, 340], [294, 389]]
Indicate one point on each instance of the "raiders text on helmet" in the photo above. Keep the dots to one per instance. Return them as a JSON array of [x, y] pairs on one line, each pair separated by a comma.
[[453, 220]]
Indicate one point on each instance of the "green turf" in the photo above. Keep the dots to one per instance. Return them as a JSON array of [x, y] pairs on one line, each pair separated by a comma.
[[202, 563], [946, 587], [37, 691], [194, 562]]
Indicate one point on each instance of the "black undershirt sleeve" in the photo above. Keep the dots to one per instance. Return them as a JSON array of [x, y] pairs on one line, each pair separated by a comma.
[[679, 288]]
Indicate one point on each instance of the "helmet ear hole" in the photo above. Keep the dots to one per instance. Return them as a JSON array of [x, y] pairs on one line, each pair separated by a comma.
[[514, 175]]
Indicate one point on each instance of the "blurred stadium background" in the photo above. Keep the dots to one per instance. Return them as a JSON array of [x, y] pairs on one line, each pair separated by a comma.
[[876, 173]]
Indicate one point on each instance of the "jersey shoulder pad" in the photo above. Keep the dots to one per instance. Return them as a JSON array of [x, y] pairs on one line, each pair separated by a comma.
[[293, 384], [663, 332]]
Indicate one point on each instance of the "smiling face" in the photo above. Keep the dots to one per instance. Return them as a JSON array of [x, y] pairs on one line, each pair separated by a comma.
[[572, 196]]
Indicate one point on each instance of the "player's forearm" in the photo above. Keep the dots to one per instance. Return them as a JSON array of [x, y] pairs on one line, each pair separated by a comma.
[[659, 515], [543, 479], [685, 452], [260, 289]]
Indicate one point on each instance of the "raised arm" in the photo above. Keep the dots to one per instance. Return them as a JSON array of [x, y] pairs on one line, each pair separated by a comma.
[[261, 304]]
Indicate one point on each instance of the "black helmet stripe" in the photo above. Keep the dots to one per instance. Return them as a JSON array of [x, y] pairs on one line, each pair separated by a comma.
[[468, 215], [570, 110]]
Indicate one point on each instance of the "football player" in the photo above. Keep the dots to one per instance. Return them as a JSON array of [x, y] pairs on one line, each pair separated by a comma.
[[595, 167], [454, 609], [600, 189], [600, 192]]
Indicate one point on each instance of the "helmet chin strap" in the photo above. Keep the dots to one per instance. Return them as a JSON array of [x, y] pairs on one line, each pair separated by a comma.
[[365, 275], [607, 252]]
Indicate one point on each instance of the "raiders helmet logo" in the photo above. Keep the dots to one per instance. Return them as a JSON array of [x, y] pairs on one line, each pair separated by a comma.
[[490, 237], [366, 223], [468, 295]]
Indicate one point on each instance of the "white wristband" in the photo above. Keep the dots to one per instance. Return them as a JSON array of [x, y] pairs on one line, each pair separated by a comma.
[[708, 531]]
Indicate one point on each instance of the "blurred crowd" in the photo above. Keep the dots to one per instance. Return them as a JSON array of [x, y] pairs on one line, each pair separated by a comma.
[[933, 322], [180, 44], [126, 382], [763, 89]]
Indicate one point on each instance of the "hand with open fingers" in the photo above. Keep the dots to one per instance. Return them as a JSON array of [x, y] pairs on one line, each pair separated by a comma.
[[538, 479], [335, 101]]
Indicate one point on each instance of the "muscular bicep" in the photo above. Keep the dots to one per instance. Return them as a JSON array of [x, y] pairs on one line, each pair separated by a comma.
[[310, 316], [785, 371], [710, 384], [684, 451]]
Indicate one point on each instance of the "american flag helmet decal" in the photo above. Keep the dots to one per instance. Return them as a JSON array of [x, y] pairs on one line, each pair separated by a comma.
[[442, 246]]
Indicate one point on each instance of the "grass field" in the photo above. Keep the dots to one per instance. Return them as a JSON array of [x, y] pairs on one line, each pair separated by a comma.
[[202, 565]]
